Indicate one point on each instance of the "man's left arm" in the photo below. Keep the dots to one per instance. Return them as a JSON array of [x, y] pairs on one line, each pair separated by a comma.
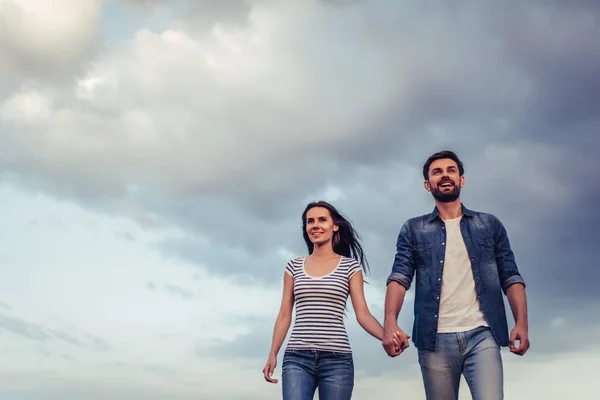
[[513, 286]]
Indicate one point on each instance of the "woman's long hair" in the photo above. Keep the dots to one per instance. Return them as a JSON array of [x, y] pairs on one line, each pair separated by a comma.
[[345, 241]]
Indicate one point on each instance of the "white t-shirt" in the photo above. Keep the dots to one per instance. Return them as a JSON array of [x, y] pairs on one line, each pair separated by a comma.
[[459, 307]]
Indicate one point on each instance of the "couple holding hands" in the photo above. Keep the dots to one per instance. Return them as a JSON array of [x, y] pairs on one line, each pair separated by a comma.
[[462, 265]]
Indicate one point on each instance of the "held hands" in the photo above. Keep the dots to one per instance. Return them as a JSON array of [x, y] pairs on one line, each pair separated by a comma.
[[519, 333], [270, 368], [395, 341]]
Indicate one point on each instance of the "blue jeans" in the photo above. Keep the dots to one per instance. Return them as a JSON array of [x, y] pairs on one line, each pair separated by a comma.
[[303, 371], [474, 354]]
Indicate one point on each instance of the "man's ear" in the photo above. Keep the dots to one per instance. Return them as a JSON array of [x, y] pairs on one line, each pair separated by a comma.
[[427, 186]]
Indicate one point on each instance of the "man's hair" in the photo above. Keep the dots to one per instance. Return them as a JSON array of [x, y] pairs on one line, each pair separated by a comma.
[[440, 155]]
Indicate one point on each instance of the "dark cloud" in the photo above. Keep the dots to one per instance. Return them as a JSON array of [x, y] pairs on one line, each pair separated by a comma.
[[451, 97]]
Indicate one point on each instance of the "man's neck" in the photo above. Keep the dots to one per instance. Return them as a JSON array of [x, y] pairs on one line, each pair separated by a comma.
[[451, 210]]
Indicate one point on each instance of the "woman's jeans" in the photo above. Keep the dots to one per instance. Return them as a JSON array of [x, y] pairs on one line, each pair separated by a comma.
[[304, 371]]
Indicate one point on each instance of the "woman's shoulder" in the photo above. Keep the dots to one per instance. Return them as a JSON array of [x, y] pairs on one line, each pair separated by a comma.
[[348, 261], [296, 261]]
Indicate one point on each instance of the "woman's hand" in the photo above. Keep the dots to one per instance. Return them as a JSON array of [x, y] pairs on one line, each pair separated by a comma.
[[270, 368]]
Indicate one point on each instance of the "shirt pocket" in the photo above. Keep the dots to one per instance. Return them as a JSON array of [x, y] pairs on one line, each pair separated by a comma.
[[423, 255], [486, 247]]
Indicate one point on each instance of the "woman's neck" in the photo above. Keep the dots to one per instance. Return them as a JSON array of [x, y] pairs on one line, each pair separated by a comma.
[[324, 251]]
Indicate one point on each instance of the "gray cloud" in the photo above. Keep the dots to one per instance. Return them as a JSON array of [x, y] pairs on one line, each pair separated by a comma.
[[127, 236], [38, 333], [179, 291], [66, 389], [527, 130], [511, 87], [96, 342], [175, 290], [196, 15], [370, 358], [160, 370], [67, 338], [23, 328]]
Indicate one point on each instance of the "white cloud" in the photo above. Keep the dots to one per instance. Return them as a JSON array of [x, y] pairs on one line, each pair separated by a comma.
[[241, 104], [46, 37]]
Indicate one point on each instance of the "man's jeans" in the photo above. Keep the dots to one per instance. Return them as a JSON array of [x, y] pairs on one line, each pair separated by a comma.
[[305, 370], [475, 354]]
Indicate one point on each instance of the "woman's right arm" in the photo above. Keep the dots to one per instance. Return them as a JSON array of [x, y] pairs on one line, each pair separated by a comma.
[[282, 324], [284, 318]]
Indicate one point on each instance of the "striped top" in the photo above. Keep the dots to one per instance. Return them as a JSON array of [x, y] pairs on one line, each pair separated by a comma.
[[320, 305]]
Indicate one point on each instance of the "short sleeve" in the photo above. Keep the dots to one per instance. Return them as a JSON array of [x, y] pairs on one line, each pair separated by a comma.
[[353, 268], [289, 268]]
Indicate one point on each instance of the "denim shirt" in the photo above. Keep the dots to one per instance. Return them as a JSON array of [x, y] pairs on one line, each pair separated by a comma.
[[421, 250]]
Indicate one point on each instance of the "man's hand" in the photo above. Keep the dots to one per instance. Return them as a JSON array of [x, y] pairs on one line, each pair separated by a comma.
[[519, 333], [395, 341]]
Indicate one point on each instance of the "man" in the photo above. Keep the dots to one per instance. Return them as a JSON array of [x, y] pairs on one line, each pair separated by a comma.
[[463, 264]]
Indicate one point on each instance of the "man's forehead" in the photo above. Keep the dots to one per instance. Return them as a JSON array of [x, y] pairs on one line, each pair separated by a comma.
[[443, 163]]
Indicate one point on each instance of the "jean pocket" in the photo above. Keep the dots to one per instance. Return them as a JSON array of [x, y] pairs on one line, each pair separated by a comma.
[[342, 355]]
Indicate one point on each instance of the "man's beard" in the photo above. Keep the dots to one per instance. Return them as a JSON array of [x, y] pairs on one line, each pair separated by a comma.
[[445, 197]]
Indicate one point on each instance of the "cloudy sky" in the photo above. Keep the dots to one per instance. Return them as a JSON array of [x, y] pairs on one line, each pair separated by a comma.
[[156, 156]]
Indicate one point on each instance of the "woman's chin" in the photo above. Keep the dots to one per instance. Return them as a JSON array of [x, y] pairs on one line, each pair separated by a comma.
[[320, 241]]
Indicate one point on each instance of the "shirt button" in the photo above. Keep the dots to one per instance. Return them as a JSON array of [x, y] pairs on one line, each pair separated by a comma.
[[443, 243], [439, 279], [441, 261], [435, 316], [437, 298]]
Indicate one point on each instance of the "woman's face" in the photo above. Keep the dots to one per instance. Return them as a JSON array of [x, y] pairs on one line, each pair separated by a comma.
[[319, 225]]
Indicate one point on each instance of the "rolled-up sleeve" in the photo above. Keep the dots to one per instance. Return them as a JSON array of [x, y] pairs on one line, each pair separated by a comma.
[[508, 271], [403, 269]]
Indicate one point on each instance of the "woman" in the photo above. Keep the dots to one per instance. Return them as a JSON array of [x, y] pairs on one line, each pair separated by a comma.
[[318, 353]]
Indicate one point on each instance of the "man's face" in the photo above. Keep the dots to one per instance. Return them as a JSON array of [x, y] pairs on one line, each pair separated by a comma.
[[444, 180]]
